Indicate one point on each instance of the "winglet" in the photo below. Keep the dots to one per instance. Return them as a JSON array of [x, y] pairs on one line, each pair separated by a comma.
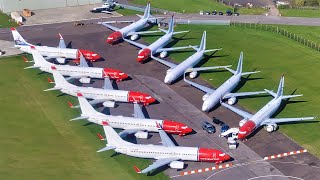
[[25, 59], [100, 137], [70, 104], [136, 169], [49, 80]]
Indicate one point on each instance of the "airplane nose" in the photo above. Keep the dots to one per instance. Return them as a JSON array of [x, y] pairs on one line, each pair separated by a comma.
[[151, 100], [143, 55], [114, 37], [188, 130], [227, 157], [205, 108]]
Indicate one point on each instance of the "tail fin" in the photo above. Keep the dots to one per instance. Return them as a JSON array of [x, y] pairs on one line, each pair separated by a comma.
[[38, 58], [86, 107], [60, 81], [18, 39], [171, 25], [280, 87], [239, 68], [146, 14], [112, 136], [203, 42]]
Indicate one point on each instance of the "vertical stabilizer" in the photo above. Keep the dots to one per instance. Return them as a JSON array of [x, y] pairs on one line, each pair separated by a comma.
[[18, 39], [146, 14], [280, 88], [59, 80], [112, 137], [86, 107], [171, 25], [239, 68], [38, 58], [203, 42]]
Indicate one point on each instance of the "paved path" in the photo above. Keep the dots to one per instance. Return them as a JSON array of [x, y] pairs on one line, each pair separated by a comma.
[[8, 48]]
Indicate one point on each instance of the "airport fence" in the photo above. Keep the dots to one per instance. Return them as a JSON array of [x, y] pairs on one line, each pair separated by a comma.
[[281, 31]]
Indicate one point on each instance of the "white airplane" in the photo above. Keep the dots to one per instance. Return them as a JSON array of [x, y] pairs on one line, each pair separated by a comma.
[[105, 7], [263, 117], [166, 154], [82, 72], [60, 53], [158, 45], [138, 125], [132, 29], [176, 71], [212, 97], [107, 96]]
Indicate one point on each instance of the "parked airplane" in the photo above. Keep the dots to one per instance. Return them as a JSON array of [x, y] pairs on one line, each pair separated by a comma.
[[105, 7], [107, 96], [212, 97], [251, 122], [166, 154], [83, 71], [132, 29], [138, 125], [60, 53], [176, 71], [157, 46]]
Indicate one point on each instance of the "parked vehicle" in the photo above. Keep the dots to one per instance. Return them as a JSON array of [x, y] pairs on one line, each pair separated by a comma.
[[220, 13], [217, 121], [224, 128], [207, 13], [214, 12], [229, 12], [236, 14], [208, 127]]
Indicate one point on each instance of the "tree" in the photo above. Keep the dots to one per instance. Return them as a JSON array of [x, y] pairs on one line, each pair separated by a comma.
[[299, 3]]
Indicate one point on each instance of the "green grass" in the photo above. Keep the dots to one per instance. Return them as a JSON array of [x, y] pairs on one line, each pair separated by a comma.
[[39, 142], [274, 55], [300, 13], [6, 21], [128, 12], [311, 33], [195, 6], [252, 11]]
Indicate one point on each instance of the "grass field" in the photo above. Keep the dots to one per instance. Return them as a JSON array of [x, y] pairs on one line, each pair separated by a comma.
[[4, 21], [312, 13], [274, 55], [195, 6], [128, 12], [311, 33], [39, 142]]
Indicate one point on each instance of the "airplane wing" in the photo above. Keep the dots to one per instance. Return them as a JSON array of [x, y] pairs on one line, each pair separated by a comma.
[[158, 163], [174, 48], [83, 62], [229, 95], [142, 46], [62, 44], [138, 112], [107, 84], [74, 77], [142, 32], [284, 120], [167, 63], [165, 140], [109, 26], [107, 12], [238, 111], [198, 86], [126, 132]]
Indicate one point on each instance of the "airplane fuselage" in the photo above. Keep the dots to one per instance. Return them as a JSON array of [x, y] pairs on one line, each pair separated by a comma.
[[160, 43], [66, 70], [176, 72], [225, 88], [52, 51], [133, 27]]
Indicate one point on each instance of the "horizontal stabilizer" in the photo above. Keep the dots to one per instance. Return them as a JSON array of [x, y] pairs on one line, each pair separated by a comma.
[[247, 73], [163, 30], [179, 32], [52, 89], [107, 148], [291, 96], [212, 50], [32, 67], [79, 118], [206, 68], [271, 92], [231, 70], [285, 120]]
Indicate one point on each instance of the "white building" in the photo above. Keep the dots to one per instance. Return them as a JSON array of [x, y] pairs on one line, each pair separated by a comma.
[[18, 5]]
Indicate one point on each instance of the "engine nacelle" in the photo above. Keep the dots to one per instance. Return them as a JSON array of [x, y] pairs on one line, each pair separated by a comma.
[[141, 135], [204, 97], [242, 122], [61, 60], [109, 104], [163, 54], [169, 70], [193, 74], [176, 165], [232, 100], [134, 37], [271, 127], [85, 80]]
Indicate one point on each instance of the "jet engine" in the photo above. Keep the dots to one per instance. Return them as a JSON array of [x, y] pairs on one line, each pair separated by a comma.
[[232, 100], [141, 135], [204, 97], [176, 165], [134, 37], [271, 127], [193, 74], [163, 54], [242, 122], [85, 80], [109, 104], [61, 60], [168, 70]]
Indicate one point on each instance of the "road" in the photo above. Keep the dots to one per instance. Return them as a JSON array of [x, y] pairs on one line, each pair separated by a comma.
[[182, 103]]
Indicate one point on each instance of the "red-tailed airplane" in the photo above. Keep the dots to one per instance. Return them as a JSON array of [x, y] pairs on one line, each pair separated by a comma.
[[82, 72], [138, 125], [107, 96], [166, 154], [60, 53]]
